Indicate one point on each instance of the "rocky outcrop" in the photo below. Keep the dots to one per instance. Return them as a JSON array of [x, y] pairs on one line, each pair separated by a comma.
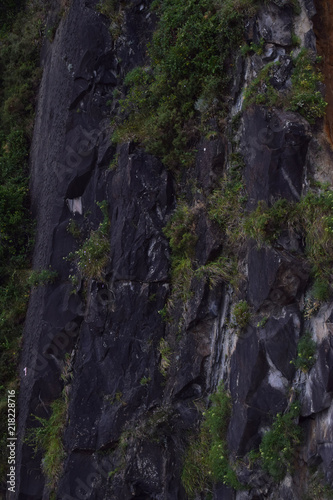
[[107, 345]]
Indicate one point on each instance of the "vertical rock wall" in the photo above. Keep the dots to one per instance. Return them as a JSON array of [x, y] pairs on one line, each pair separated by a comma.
[[127, 426]]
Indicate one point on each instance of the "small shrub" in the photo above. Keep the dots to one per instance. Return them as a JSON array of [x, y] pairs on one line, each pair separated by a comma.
[[226, 204], [74, 229], [145, 380], [321, 289], [305, 96], [260, 91], [48, 439], [306, 350], [42, 277], [241, 314], [180, 231], [93, 256], [278, 446], [207, 459], [185, 73], [265, 224]]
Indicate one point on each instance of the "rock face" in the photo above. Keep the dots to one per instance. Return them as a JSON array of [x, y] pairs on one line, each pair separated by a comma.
[[127, 424]]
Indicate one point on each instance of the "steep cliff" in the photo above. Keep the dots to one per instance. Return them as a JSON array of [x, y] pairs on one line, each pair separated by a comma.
[[175, 277]]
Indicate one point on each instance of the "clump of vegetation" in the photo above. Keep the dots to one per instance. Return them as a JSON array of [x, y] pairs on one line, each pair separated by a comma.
[[93, 255], [113, 9], [42, 277], [145, 380], [184, 70], [257, 48], [48, 439], [207, 460], [306, 350], [304, 96], [279, 444], [321, 289], [74, 229], [226, 204], [265, 224], [223, 269], [180, 231], [241, 315], [310, 217], [317, 488], [261, 91], [165, 352]]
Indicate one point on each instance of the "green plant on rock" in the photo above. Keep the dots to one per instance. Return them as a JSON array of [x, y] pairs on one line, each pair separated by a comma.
[[279, 444], [145, 380], [48, 439], [241, 315], [306, 351], [165, 353], [185, 74], [311, 218], [265, 224], [180, 231], [261, 91], [74, 229], [207, 459], [257, 48], [93, 256], [317, 488], [305, 96], [42, 277], [223, 269], [321, 289], [226, 204]]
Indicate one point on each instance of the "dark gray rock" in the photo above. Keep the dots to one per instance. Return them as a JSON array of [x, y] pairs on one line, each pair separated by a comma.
[[275, 277], [210, 162], [319, 385], [310, 7], [274, 148], [275, 25], [281, 336]]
